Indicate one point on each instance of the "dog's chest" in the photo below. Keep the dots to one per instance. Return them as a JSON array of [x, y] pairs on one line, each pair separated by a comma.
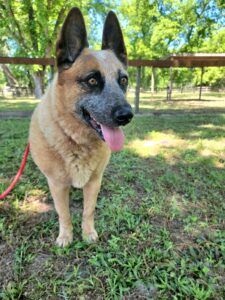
[[82, 163], [81, 170]]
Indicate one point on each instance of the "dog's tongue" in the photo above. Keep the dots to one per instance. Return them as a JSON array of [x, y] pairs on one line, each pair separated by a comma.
[[114, 137]]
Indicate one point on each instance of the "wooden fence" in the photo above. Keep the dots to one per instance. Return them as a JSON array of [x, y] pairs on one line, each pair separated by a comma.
[[187, 60]]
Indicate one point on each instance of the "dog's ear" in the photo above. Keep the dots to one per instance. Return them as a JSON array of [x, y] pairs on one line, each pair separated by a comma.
[[113, 38], [72, 39]]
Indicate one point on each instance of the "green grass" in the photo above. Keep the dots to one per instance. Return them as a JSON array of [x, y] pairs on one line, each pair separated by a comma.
[[149, 103], [183, 102], [160, 218], [18, 104]]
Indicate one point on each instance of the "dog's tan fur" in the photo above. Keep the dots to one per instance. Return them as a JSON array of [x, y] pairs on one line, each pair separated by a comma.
[[66, 149]]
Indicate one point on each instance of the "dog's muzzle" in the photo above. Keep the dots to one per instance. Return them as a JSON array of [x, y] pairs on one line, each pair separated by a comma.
[[122, 115]]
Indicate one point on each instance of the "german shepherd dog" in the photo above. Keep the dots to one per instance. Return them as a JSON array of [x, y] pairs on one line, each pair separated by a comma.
[[77, 124]]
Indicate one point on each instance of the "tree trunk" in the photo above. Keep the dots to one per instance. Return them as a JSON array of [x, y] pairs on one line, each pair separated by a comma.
[[10, 78], [38, 78]]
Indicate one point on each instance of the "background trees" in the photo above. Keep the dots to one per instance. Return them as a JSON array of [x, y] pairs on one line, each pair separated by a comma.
[[156, 28], [152, 29], [30, 29]]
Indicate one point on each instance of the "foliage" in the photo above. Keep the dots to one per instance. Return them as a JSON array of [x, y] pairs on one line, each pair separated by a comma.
[[152, 29], [2, 79], [155, 28], [30, 28]]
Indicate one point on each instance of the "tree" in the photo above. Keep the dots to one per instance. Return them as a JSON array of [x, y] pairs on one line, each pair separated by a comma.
[[32, 26], [11, 80], [29, 29], [154, 29], [8, 75]]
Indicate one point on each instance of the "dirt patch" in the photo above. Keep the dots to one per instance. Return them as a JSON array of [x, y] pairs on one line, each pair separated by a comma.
[[6, 263]]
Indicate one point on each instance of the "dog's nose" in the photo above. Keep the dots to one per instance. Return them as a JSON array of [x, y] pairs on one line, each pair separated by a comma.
[[123, 115]]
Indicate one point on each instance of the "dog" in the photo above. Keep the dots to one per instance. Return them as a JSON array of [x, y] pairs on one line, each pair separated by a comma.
[[77, 124]]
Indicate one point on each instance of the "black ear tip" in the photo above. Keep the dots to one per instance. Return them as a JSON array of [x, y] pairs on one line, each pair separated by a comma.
[[112, 37], [72, 39], [111, 15], [111, 12], [75, 11], [111, 20]]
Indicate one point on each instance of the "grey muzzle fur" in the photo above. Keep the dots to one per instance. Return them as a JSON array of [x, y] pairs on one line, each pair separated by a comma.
[[109, 107]]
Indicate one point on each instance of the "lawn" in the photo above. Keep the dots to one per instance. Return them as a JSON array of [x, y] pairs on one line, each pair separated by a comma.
[[18, 104], [149, 103], [188, 102], [160, 218]]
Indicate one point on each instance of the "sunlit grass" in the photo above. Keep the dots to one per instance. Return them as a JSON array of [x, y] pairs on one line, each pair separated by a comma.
[[18, 104], [153, 144], [172, 145]]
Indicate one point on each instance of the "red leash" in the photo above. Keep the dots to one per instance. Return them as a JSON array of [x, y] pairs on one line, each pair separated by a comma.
[[9, 189]]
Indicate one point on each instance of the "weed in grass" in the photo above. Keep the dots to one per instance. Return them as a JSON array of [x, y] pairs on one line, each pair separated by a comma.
[[22, 256], [13, 291]]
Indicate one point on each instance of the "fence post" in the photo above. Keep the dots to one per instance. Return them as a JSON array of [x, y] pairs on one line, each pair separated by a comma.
[[153, 79], [171, 84], [137, 90], [200, 91]]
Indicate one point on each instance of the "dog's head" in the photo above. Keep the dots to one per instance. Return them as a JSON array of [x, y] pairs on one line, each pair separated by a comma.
[[95, 81]]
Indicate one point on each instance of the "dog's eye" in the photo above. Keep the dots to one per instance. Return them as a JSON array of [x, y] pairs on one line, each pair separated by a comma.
[[93, 81], [123, 81]]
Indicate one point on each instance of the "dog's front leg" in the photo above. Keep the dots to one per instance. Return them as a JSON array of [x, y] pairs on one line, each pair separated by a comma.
[[90, 190], [60, 195]]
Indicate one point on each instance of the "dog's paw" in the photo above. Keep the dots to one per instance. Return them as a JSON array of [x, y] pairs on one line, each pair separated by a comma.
[[64, 240], [90, 237]]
